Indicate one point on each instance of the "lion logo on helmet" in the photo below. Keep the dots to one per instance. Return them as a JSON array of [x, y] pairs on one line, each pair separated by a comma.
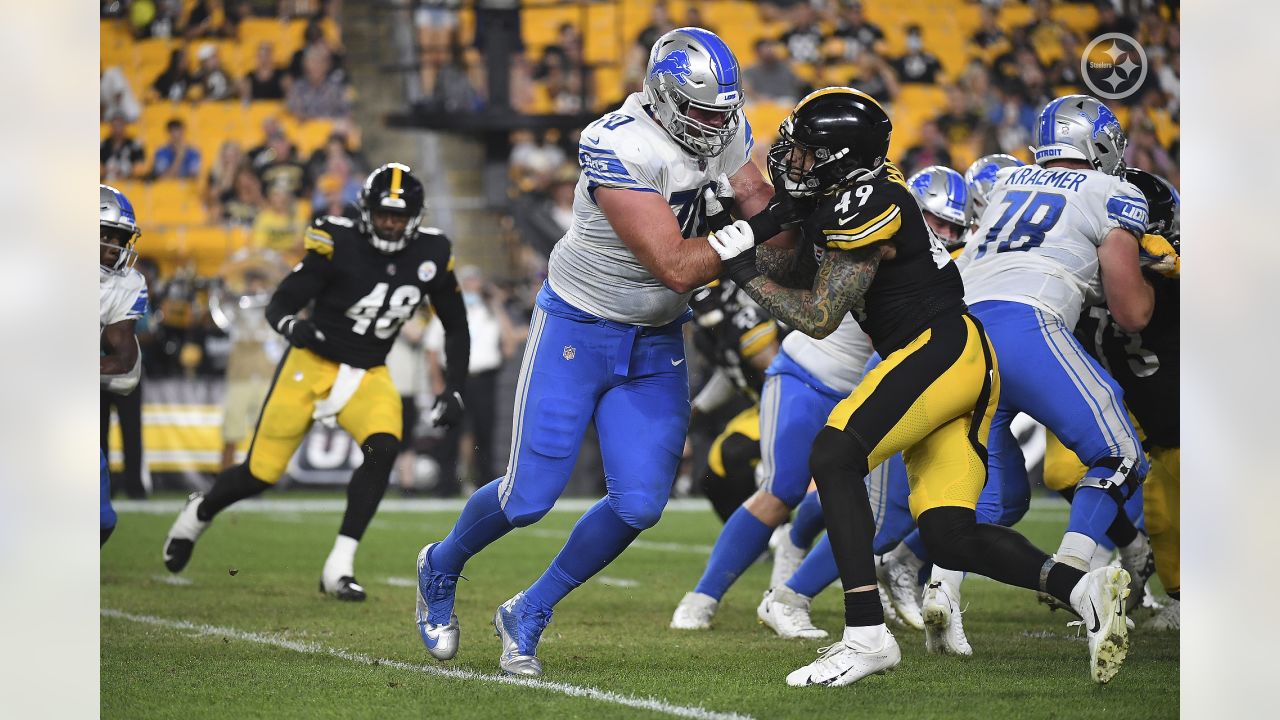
[[675, 64]]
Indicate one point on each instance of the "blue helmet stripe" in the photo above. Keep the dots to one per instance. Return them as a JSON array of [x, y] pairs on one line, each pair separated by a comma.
[[956, 191], [1046, 122], [722, 60]]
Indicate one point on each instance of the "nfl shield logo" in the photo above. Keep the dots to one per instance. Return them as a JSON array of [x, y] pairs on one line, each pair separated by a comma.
[[569, 352]]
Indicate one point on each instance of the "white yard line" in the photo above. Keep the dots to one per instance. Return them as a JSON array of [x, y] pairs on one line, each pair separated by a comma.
[[310, 648], [172, 580], [401, 582], [616, 581]]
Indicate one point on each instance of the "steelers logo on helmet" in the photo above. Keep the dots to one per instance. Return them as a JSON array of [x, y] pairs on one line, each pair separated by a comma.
[[391, 203], [117, 231], [834, 136]]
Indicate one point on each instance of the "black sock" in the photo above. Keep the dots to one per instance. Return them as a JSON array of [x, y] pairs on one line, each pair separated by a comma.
[[1062, 579], [369, 484], [839, 464], [957, 541], [862, 609], [1175, 594], [232, 485]]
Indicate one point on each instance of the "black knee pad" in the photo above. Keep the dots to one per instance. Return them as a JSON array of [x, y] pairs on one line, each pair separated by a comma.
[[1121, 482], [837, 454], [948, 533]]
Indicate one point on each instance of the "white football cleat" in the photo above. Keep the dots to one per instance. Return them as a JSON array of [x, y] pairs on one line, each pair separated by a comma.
[[786, 612], [943, 632], [840, 664], [1101, 606], [694, 612], [890, 615], [343, 587], [186, 529], [899, 577], [787, 557], [1169, 617]]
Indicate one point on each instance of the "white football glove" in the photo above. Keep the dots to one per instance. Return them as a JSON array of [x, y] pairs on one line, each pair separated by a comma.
[[733, 240], [721, 199]]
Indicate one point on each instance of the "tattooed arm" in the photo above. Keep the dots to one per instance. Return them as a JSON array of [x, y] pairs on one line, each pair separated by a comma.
[[785, 266], [841, 283]]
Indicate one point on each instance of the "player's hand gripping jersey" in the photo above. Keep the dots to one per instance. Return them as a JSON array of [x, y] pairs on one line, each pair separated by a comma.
[[1037, 242], [363, 296], [917, 284], [591, 267]]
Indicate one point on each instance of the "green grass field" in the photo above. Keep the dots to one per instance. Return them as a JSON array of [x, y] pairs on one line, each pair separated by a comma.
[[246, 634]]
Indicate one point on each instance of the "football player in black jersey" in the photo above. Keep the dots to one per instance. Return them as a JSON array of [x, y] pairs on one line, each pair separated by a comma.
[[362, 279], [739, 340], [933, 396]]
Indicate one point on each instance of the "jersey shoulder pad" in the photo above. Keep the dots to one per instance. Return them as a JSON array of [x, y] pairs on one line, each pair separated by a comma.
[[322, 234], [436, 246], [1126, 208], [618, 158], [864, 214]]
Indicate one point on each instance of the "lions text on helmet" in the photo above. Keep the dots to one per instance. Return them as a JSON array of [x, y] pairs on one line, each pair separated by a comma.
[[391, 204]]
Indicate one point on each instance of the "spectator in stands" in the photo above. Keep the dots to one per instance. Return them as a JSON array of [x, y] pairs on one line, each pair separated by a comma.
[[989, 37], [313, 37], [534, 157], [116, 96], [176, 159], [279, 166], [317, 94], [222, 172], [174, 80], [1044, 32], [278, 226], [240, 205], [265, 81], [931, 150], [693, 18], [858, 33], [770, 79], [336, 147], [983, 98], [261, 154], [210, 78], [341, 186], [543, 215], [437, 21], [917, 65], [1144, 150], [876, 78], [772, 11], [121, 157], [804, 40], [1013, 126], [1109, 21], [959, 122], [205, 20], [638, 53], [569, 80], [459, 88], [155, 18]]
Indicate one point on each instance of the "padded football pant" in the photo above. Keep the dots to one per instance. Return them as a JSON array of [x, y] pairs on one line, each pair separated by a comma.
[[731, 463]]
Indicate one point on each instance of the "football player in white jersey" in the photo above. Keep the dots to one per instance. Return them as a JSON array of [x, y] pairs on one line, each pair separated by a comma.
[[122, 299], [605, 342], [1054, 238]]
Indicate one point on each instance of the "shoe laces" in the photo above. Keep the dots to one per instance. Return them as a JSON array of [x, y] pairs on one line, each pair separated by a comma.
[[439, 594], [532, 621]]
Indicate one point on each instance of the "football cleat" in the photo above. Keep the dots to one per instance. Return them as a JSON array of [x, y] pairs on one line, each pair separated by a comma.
[[694, 612], [786, 557], [786, 612], [437, 624], [1140, 563], [1101, 607], [181, 540], [343, 588], [519, 624], [890, 615], [899, 578], [840, 664], [943, 631], [1169, 617]]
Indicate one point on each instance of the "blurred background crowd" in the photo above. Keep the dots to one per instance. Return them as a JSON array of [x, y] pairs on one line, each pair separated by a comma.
[[231, 124]]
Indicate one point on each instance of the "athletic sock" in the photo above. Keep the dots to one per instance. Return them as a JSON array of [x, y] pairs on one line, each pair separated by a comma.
[[231, 486], [342, 558], [1077, 546], [816, 572], [599, 537], [866, 638], [741, 541], [807, 522], [862, 609], [481, 522]]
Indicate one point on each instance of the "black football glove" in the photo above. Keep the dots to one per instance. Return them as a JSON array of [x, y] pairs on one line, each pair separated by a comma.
[[300, 333], [448, 408]]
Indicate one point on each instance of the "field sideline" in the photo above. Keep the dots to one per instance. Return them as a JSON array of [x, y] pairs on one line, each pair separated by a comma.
[[244, 632]]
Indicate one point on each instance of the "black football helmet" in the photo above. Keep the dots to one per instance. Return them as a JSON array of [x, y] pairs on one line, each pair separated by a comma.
[[1163, 204], [847, 133], [391, 188]]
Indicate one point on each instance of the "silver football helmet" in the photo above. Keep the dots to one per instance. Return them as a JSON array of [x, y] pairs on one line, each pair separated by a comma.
[[942, 192], [981, 177], [1079, 127], [691, 69], [117, 222]]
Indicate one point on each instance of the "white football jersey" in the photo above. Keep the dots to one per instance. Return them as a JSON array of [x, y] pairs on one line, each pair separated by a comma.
[[838, 359], [120, 297], [591, 268], [1037, 242]]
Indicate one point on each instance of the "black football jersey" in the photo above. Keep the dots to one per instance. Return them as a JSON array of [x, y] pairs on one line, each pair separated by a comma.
[[1145, 364], [917, 285], [744, 330], [365, 295]]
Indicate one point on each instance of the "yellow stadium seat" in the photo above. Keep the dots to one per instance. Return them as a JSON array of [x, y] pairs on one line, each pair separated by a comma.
[[1166, 129], [177, 202], [311, 135]]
